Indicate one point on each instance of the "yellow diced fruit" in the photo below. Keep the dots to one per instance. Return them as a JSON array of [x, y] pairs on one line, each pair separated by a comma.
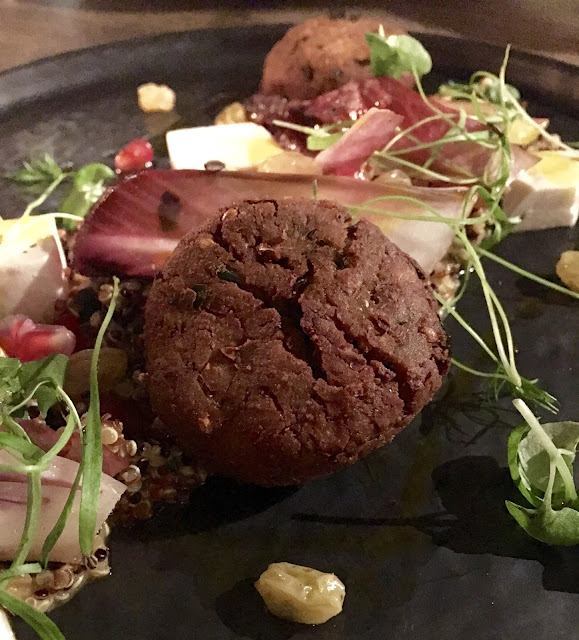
[[301, 594], [155, 97], [568, 269], [522, 132], [19, 234], [233, 113], [559, 169]]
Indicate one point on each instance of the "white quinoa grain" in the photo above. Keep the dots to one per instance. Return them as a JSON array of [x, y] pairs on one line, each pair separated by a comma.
[[109, 435]]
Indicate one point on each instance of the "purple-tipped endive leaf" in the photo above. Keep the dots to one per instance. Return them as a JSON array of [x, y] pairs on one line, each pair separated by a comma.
[[138, 223]]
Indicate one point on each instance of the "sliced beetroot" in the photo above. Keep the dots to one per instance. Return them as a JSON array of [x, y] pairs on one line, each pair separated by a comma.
[[264, 109], [131, 231], [350, 101], [354, 99]]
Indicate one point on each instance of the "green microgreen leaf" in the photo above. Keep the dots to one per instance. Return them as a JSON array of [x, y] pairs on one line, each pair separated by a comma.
[[9, 367], [541, 460], [32, 206], [41, 378], [484, 88], [521, 482], [8, 421], [92, 452], [37, 174], [557, 527], [395, 54], [319, 137], [44, 176], [88, 186], [19, 444], [526, 389], [9, 381], [533, 460], [319, 143], [29, 568]]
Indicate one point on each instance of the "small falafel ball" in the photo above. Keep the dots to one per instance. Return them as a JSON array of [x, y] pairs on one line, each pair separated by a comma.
[[320, 55], [285, 342]]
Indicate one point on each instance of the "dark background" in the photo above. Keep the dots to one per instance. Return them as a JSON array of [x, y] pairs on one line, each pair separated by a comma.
[[31, 29]]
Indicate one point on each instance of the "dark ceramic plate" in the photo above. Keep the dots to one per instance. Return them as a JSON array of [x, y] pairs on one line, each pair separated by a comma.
[[418, 531]]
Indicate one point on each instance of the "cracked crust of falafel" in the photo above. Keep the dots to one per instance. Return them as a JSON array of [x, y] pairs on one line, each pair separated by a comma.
[[315, 341]]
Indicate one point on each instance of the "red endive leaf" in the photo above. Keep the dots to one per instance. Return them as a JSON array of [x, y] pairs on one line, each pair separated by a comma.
[[368, 134], [139, 221]]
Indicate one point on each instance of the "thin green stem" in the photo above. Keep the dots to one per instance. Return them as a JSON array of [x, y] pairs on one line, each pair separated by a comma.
[[34, 504], [56, 532], [476, 372], [378, 156], [527, 274], [40, 622], [28, 398], [92, 451], [464, 324], [36, 203], [13, 426], [20, 570], [443, 141]]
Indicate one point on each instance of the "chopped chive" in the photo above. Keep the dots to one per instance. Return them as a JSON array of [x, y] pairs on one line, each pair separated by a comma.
[[315, 189], [201, 294], [228, 276]]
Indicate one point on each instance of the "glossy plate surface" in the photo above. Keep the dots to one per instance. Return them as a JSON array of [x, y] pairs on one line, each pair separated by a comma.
[[418, 532]]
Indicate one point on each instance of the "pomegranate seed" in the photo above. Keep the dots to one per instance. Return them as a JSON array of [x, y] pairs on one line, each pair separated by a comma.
[[85, 334], [137, 155], [22, 338], [67, 319]]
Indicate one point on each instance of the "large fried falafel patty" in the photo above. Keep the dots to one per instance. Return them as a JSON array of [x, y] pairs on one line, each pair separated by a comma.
[[285, 341]]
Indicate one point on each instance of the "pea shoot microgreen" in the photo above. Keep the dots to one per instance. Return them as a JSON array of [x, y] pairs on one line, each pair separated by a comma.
[[319, 137], [85, 186], [541, 460], [395, 54], [40, 384], [92, 448], [540, 456]]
